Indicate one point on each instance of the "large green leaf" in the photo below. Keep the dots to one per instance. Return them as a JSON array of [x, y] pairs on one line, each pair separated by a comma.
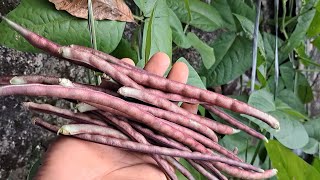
[[193, 78], [58, 26], [299, 32], [157, 34], [313, 129], [288, 97], [269, 41], [291, 113], [203, 16], [243, 143], [289, 165], [264, 101], [233, 58], [248, 28], [227, 8], [287, 75], [206, 52], [178, 36], [304, 90]]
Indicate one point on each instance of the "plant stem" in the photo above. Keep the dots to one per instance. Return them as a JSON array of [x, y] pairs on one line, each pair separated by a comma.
[[246, 154], [283, 26], [295, 88], [290, 7], [187, 6], [185, 28], [139, 18], [291, 20], [256, 152]]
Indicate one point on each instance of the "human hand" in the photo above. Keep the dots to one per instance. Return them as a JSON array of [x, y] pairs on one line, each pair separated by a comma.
[[71, 158]]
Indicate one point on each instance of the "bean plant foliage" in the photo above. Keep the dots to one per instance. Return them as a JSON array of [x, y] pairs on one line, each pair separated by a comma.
[[167, 25]]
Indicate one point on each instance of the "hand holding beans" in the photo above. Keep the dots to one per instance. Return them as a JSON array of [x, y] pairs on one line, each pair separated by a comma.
[[87, 160]]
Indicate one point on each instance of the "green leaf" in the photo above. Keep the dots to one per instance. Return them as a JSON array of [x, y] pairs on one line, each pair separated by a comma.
[[226, 8], [316, 42], [124, 50], [58, 26], [304, 58], [194, 172], [272, 86], [316, 163], [34, 169], [157, 32], [148, 39], [287, 75], [248, 27], [203, 16], [291, 99], [299, 33], [289, 165], [304, 89], [193, 78], [293, 114], [146, 6], [187, 4], [263, 100], [206, 52], [314, 28], [262, 70], [239, 141], [178, 35], [202, 110], [269, 41], [233, 58], [313, 146]]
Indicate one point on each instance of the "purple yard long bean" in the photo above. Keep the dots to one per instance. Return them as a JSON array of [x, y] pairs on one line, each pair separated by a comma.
[[126, 128], [163, 132], [73, 129], [202, 139], [181, 120], [103, 99], [5, 80], [142, 77], [209, 97], [49, 109], [168, 105], [235, 123]]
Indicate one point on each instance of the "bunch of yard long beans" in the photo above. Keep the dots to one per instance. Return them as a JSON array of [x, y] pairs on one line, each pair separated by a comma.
[[158, 126]]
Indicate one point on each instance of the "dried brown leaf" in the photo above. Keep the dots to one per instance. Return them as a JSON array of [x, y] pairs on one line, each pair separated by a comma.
[[102, 9]]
